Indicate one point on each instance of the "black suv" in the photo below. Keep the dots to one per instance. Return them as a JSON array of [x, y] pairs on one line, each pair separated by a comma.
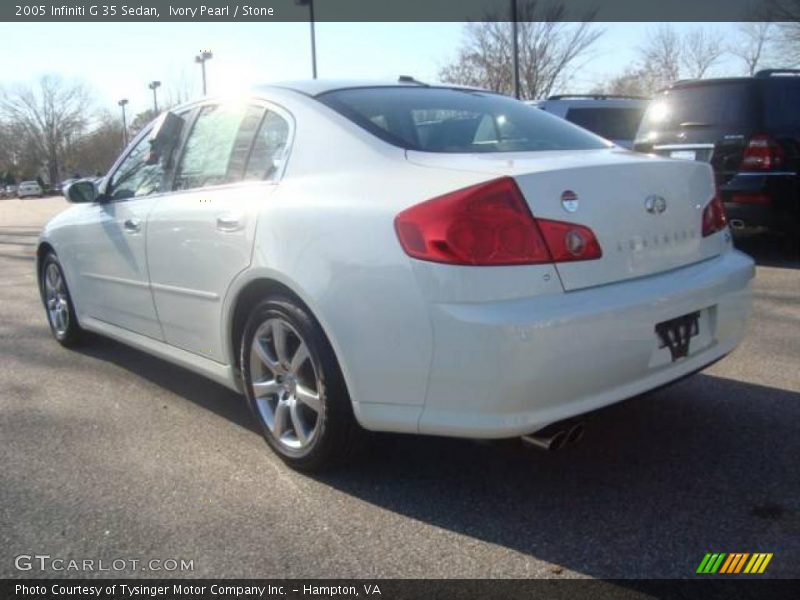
[[748, 128]]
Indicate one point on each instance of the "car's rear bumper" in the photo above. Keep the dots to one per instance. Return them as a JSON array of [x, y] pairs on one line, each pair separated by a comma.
[[508, 368]]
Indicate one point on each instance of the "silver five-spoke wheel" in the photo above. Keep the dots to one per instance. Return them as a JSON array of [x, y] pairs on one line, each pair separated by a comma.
[[56, 299], [286, 385]]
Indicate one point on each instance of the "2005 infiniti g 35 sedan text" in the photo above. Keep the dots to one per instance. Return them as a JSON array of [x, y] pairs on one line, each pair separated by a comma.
[[398, 257]]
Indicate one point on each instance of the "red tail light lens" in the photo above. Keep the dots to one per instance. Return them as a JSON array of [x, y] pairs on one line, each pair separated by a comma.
[[489, 224], [763, 154], [714, 217]]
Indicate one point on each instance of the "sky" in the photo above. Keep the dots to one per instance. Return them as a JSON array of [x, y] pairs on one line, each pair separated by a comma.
[[117, 60]]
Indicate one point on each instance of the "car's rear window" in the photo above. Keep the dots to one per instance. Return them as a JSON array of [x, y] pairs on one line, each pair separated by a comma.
[[458, 121], [782, 104], [610, 123], [709, 105]]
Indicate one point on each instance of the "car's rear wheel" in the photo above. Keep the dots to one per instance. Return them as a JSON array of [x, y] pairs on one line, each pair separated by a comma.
[[295, 388], [58, 303]]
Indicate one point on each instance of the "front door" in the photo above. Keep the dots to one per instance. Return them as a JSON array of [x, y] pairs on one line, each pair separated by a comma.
[[110, 254]]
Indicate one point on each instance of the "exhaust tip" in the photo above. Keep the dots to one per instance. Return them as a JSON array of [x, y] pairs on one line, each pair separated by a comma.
[[737, 224], [575, 434], [551, 442]]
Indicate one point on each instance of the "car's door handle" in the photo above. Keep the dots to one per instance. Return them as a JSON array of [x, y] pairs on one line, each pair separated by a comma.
[[133, 225], [229, 222]]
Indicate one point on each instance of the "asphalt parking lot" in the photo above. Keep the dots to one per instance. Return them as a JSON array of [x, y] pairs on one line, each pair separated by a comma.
[[108, 453]]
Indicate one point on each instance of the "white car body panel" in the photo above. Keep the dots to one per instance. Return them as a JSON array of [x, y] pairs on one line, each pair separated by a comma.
[[424, 347], [110, 258]]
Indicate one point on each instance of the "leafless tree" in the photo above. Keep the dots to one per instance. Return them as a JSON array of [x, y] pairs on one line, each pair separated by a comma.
[[701, 49], [634, 81], [786, 14], [550, 50], [661, 56], [752, 44], [49, 114], [95, 151]]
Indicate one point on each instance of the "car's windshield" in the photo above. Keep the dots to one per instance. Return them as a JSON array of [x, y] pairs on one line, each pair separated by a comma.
[[452, 120]]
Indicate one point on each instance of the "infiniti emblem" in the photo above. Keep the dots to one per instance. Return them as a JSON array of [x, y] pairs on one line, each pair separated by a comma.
[[569, 200], [655, 205]]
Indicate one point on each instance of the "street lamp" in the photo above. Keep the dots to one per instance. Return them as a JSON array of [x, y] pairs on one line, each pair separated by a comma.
[[310, 4], [202, 58], [122, 104], [154, 85]]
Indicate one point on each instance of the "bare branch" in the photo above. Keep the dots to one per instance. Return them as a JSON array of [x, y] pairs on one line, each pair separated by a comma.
[[550, 49]]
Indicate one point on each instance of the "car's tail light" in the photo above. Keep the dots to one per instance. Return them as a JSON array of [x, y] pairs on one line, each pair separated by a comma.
[[762, 153], [714, 217], [490, 224], [751, 198]]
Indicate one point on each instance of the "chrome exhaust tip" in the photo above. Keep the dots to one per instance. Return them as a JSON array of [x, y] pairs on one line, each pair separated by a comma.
[[551, 442], [556, 436], [737, 224], [575, 434]]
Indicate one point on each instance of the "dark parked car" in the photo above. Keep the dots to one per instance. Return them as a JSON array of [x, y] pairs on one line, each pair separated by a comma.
[[748, 128]]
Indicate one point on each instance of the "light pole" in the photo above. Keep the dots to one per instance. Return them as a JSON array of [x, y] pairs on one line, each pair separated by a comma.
[[310, 4], [154, 85], [515, 45], [122, 104], [202, 58]]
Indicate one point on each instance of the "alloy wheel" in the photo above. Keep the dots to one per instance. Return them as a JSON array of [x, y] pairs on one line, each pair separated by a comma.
[[56, 299], [286, 385]]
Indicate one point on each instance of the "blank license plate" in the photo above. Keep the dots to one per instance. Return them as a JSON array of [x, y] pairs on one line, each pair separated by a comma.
[[683, 154]]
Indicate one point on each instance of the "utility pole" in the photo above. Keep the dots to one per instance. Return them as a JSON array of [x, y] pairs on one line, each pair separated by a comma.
[[122, 104], [515, 45], [154, 85], [310, 4], [202, 58]]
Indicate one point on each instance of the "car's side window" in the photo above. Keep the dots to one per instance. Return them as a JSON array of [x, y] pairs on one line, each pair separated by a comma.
[[135, 177], [218, 145], [269, 149]]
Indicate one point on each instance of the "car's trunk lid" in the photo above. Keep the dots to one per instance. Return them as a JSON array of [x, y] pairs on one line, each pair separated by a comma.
[[614, 189]]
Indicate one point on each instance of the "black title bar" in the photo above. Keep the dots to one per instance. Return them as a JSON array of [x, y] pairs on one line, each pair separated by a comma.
[[378, 10]]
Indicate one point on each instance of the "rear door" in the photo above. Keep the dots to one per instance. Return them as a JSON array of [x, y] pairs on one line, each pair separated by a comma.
[[201, 235]]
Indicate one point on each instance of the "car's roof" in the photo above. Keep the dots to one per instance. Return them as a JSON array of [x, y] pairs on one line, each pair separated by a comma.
[[315, 87]]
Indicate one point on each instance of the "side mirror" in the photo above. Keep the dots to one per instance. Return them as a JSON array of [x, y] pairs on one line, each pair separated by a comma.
[[81, 192], [164, 137]]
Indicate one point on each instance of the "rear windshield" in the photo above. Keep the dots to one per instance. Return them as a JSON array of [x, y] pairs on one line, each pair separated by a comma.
[[610, 123], [724, 103], [782, 104], [448, 120]]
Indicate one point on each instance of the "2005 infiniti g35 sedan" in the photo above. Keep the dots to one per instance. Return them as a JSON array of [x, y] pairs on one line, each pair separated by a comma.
[[399, 257]]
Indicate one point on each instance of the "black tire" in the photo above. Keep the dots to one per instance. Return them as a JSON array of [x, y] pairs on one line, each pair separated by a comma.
[[336, 434], [71, 334]]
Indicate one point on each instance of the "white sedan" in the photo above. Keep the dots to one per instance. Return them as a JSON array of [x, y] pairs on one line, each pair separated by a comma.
[[399, 257], [29, 188]]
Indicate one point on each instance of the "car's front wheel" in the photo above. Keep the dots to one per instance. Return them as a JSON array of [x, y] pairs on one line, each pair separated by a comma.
[[58, 303], [295, 388]]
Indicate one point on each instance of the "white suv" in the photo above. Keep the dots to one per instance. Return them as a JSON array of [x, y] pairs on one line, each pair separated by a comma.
[[29, 188], [615, 118]]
